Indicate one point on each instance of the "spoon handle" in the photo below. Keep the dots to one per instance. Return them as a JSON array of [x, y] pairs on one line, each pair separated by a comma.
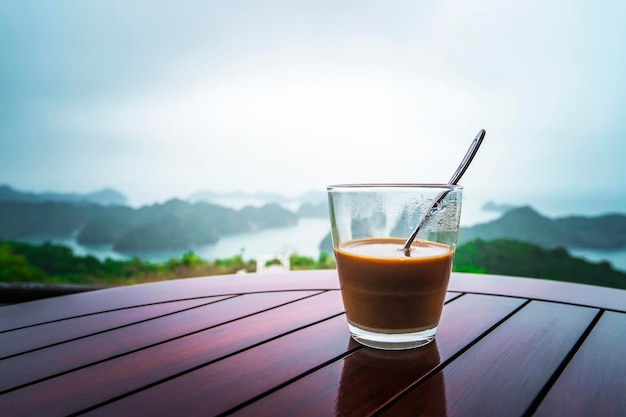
[[467, 160]]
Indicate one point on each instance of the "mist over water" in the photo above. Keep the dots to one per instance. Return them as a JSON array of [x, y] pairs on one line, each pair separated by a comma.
[[303, 239]]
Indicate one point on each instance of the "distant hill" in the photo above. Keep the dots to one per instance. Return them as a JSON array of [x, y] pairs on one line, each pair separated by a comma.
[[326, 245], [105, 196], [173, 225], [316, 210], [527, 225], [501, 208]]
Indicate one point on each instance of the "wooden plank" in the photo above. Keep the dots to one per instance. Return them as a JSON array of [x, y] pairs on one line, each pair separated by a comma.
[[214, 389], [594, 382], [540, 289], [451, 296], [51, 309], [86, 387], [110, 299], [367, 379], [29, 367], [503, 373], [34, 337]]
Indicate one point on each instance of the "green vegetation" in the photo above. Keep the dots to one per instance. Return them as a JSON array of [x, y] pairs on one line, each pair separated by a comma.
[[56, 264], [510, 257], [324, 261]]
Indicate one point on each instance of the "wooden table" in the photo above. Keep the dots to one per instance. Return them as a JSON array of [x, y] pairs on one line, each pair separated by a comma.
[[278, 344]]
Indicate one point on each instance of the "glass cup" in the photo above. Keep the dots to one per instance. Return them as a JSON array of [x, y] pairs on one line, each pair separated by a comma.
[[393, 301]]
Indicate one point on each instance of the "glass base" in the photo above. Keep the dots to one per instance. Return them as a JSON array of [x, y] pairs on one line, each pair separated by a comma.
[[392, 341]]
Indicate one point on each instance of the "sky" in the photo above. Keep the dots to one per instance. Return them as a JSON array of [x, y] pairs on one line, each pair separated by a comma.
[[161, 99]]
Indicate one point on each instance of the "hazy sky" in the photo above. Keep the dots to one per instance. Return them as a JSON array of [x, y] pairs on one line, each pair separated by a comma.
[[161, 99]]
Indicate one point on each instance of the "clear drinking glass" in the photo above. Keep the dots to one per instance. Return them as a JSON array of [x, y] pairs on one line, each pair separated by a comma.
[[393, 301]]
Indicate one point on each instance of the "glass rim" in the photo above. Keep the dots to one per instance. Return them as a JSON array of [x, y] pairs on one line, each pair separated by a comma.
[[430, 186]]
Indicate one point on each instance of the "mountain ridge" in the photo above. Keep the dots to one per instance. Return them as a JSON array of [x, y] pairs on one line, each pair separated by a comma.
[[175, 224], [105, 196], [607, 231]]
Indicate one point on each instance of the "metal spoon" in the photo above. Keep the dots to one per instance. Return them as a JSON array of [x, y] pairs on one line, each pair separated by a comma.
[[467, 160]]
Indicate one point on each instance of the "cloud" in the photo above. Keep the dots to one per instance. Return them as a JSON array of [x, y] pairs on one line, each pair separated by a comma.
[[284, 95]]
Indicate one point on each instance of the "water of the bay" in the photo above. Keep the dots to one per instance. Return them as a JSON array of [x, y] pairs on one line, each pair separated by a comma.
[[303, 238], [617, 258]]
